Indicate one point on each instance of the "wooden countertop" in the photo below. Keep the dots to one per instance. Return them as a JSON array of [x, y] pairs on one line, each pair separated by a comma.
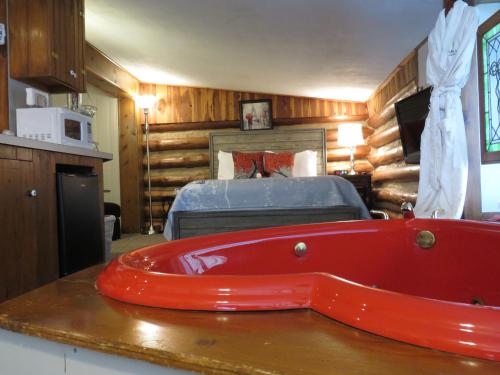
[[287, 342], [54, 147]]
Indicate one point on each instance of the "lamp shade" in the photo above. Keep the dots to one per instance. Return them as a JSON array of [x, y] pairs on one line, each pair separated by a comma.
[[350, 135], [145, 101]]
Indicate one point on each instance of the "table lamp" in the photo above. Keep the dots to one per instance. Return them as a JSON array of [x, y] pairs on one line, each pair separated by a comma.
[[350, 135], [145, 102]]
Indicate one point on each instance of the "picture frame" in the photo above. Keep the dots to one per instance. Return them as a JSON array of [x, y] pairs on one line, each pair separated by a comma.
[[488, 42], [256, 114]]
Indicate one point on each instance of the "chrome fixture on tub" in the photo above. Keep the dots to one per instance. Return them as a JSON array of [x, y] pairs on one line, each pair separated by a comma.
[[435, 213], [300, 249], [381, 213], [407, 210]]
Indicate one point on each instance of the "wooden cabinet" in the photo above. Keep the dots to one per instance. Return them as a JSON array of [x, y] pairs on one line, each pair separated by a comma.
[[47, 40], [29, 251], [18, 212], [363, 184]]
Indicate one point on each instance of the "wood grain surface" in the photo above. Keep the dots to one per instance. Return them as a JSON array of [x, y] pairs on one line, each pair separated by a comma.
[[303, 342], [4, 74]]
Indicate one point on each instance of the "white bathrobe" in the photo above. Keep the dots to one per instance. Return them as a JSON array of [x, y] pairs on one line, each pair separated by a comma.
[[443, 160]]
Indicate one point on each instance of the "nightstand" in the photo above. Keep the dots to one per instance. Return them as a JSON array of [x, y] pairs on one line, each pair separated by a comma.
[[363, 184]]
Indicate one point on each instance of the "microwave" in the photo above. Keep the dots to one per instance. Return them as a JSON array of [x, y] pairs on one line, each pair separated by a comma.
[[56, 125]]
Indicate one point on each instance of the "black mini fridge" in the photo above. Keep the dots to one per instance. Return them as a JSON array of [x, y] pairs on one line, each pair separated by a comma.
[[81, 236]]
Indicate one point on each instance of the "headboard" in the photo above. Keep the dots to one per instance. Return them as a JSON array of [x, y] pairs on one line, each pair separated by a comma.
[[268, 140]]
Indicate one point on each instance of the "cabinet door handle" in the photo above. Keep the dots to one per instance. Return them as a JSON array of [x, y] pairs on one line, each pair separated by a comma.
[[32, 193], [73, 73]]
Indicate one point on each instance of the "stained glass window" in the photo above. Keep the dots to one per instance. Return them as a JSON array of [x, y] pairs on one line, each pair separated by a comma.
[[491, 80]]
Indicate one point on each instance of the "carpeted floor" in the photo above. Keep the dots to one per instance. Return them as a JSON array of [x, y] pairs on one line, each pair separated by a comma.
[[134, 241]]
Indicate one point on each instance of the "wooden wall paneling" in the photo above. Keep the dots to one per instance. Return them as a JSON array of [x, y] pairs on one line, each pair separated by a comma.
[[401, 76], [4, 74], [131, 172], [190, 104]]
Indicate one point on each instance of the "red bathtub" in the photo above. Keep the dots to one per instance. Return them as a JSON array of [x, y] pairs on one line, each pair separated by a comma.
[[433, 283]]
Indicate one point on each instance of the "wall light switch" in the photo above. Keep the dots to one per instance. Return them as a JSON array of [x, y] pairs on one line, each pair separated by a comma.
[[2, 34]]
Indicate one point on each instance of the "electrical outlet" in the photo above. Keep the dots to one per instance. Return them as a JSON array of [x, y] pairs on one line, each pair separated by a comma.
[[2, 34]]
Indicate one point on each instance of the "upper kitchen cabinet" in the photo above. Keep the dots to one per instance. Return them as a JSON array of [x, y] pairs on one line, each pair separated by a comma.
[[47, 43]]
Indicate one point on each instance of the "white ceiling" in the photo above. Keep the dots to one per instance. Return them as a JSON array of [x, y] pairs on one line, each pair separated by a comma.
[[339, 49]]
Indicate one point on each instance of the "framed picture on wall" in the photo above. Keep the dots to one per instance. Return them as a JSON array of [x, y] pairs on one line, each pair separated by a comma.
[[488, 39], [256, 114]]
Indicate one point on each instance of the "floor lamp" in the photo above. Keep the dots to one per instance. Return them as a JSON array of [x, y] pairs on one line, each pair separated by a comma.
[[145, 102], [350, 135]]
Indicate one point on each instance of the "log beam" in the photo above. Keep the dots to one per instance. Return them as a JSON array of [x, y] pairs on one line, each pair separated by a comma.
[[388, 112], [360, 166], [343, 154], [406, 173], [319, 120], [177, 144], [393, 210], [158, 195], [168, 181], [394, 196], [332, 134], [384, 136], [180, 161], [105, 74], [387, 157], [235, 124], [185, 126]]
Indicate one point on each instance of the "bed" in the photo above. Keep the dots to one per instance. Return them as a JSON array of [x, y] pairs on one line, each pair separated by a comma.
[[215, 206]]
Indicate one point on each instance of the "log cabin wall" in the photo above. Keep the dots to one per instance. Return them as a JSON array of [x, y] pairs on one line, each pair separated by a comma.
[[184, 116], [394, 182]]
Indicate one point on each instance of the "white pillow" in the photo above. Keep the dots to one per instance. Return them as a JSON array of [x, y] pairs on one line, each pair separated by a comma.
[[226, 166], [304, 164]]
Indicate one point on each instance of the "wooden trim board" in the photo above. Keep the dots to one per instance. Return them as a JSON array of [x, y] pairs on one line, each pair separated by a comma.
[[198, 223]]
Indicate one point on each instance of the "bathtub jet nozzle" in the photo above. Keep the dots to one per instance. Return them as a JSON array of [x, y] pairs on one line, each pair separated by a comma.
[[407, 210], [300, 249]]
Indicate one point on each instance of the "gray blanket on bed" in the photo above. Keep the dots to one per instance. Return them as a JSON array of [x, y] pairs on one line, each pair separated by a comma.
[[303, 192]]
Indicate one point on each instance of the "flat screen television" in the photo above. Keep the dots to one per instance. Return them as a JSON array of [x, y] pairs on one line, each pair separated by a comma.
[[411, 113]]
